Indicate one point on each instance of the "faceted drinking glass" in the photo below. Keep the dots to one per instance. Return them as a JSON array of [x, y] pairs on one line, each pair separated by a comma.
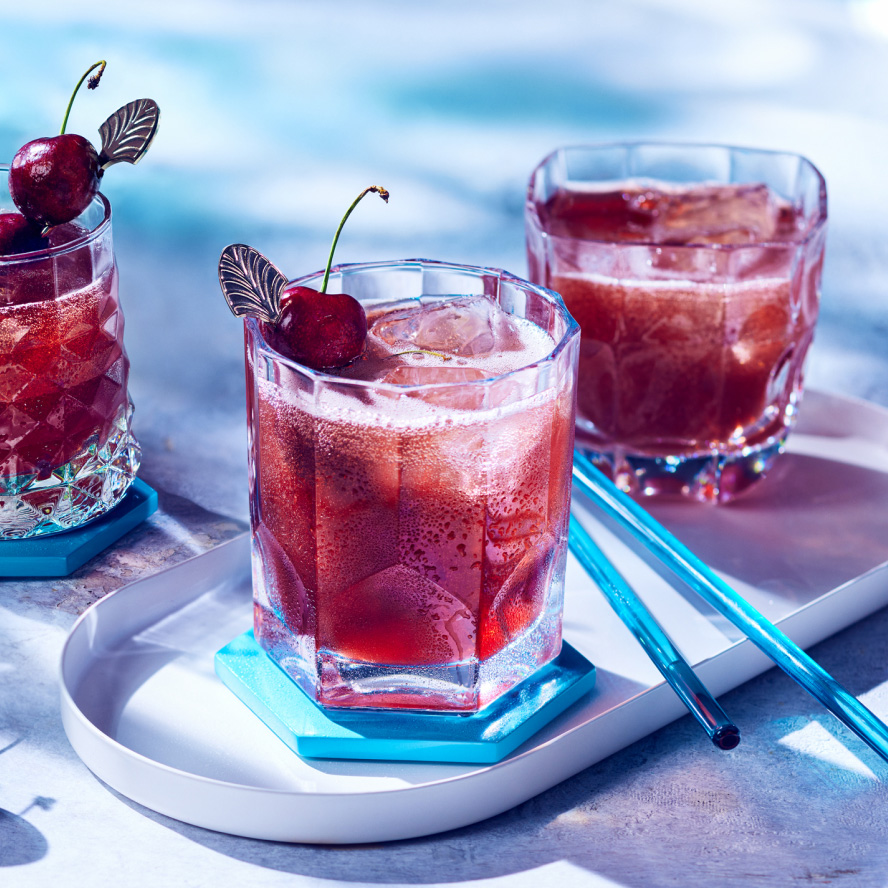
[[694, 273], [67, 453], [409, 540]]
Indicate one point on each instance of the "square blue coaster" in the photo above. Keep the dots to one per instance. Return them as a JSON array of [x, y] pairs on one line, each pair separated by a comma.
[[484, 737], [59, 554]]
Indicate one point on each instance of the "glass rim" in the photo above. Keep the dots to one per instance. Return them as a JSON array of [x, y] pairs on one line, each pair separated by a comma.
[[816, 226], [572, 328], [69, 246]]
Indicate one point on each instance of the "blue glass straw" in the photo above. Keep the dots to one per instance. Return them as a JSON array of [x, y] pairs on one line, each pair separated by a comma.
[[783, 651], [651, 636]]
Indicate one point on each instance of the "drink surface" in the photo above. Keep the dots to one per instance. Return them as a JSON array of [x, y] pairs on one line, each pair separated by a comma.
[[412, 527], [639, 212], [695, 314]]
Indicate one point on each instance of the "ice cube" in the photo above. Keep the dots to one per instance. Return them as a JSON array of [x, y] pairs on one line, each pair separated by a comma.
[[411, 369], [471, 326], [717, 214], [398, 616], [428, 374], [372, 366], [461, 397]]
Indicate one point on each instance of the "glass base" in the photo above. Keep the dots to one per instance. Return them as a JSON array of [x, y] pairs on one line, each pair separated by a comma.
[[94, 481], [716, 477], [60, 554], [335, 681], [315, 731]]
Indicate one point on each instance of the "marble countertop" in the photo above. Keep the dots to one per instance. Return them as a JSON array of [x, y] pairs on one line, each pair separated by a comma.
[[274, 115]]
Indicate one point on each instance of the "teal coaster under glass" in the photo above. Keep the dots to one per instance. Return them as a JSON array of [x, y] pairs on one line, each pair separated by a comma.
[[59, 554], [313, 731]]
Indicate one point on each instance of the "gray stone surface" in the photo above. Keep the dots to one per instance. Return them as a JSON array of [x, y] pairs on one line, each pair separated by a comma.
[[274, 116]]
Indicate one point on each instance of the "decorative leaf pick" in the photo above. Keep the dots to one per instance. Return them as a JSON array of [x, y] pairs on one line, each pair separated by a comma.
[[128, 132], [250, 283]]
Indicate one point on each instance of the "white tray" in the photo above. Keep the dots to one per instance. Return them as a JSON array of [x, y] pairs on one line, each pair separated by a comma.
[[144, 710]]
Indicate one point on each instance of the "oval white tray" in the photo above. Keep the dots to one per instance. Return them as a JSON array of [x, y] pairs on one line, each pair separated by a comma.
[[144, 710]]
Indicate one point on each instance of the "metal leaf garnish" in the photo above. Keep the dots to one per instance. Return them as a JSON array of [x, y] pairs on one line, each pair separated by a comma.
[[128, 132], [250, 283]]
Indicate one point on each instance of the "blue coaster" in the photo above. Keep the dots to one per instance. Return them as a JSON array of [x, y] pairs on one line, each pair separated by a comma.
[[484, 737], [59, 554]]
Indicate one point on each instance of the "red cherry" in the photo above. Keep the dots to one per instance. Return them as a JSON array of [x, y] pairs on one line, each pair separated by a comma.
[[320, 330], [19, 235], [53, 180]]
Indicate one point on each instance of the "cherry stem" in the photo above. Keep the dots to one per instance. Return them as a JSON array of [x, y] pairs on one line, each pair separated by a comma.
[[422, 351], [374, 188], [93, 83]]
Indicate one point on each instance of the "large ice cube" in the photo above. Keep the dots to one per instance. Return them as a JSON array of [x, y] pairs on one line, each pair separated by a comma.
[[460, 397], [428, 374], [398, 616], [717, 214], [468, 327]]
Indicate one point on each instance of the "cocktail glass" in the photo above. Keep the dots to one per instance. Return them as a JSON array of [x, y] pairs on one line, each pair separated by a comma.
[[694, 273], [67, 453], [409, 537]]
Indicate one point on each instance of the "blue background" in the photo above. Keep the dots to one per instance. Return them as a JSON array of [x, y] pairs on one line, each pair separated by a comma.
[[275, 114]]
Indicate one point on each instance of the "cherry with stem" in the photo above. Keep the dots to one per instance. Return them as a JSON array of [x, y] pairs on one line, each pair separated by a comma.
[[52, 180], [321, 330]]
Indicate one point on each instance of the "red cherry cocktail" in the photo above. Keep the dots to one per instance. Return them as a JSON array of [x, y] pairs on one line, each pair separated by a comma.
[[694, 274], [67, 453], [409, 509]]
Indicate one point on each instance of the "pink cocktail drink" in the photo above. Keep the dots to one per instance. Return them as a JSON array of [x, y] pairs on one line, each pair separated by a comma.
[[66, 450], [410, 510], [697, 297]]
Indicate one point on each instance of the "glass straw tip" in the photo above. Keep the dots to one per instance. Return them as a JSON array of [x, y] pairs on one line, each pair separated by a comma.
[[726, 737]]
